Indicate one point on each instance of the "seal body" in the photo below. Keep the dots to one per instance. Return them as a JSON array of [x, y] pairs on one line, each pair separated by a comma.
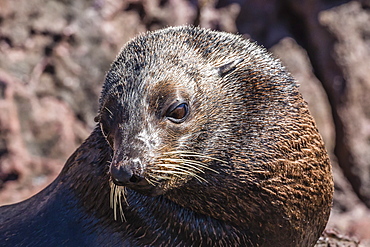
[[202, 140]]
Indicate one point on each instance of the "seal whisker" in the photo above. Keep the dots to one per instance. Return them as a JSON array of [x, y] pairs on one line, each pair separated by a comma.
[[199, 178], [111, 113], [116, 195], [112, 185], [157, 177], [175, 174], [152, 179], [182, 166], [194, 154], [203, 156], [199, 164], [121, 194], [187, 165], [113, 202], [190, 162], [192, 166], [105, 135], [150, 182], [184, 169], [170, 172], [182, 151]]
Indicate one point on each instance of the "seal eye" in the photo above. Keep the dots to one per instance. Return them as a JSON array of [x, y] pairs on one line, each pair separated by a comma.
[[177, 113]]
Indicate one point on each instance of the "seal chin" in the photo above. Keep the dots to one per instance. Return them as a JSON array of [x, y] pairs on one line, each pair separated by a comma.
[[149, 191]]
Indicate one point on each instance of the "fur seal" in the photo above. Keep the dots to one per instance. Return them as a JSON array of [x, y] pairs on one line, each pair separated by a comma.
[[202, 140]]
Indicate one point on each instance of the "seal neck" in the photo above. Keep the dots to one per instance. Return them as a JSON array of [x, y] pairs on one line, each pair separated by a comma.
[[87, 174], [151, 220]]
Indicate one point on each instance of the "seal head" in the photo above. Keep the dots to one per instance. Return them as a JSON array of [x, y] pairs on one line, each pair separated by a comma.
[[215, 124]]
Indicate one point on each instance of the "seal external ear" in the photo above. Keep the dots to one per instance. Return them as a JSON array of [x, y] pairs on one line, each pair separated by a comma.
[[227, 68]]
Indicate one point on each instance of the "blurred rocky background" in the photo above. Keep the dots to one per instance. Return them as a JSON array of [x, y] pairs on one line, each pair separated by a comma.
[[54, 55]]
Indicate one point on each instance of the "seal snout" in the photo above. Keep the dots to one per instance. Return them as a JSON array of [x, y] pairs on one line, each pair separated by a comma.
[[124, 175]]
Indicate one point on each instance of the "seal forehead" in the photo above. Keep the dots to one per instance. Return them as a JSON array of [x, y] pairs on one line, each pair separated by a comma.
[[189, 50], [143, 66]]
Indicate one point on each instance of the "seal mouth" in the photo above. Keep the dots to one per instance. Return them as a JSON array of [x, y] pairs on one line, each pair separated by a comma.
[[141, 185], [118, 195], [169, 171]]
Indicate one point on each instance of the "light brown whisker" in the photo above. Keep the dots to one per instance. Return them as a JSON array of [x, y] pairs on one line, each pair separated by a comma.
[[170, 172], [194, 154], [150, 182], [189, 162], [106, 108], [199, 178], [116, 195]]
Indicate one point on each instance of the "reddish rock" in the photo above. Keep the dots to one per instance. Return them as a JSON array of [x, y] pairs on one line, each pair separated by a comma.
[[54, 56]]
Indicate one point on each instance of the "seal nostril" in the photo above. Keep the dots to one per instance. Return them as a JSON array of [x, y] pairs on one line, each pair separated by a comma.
[[134, 179]]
